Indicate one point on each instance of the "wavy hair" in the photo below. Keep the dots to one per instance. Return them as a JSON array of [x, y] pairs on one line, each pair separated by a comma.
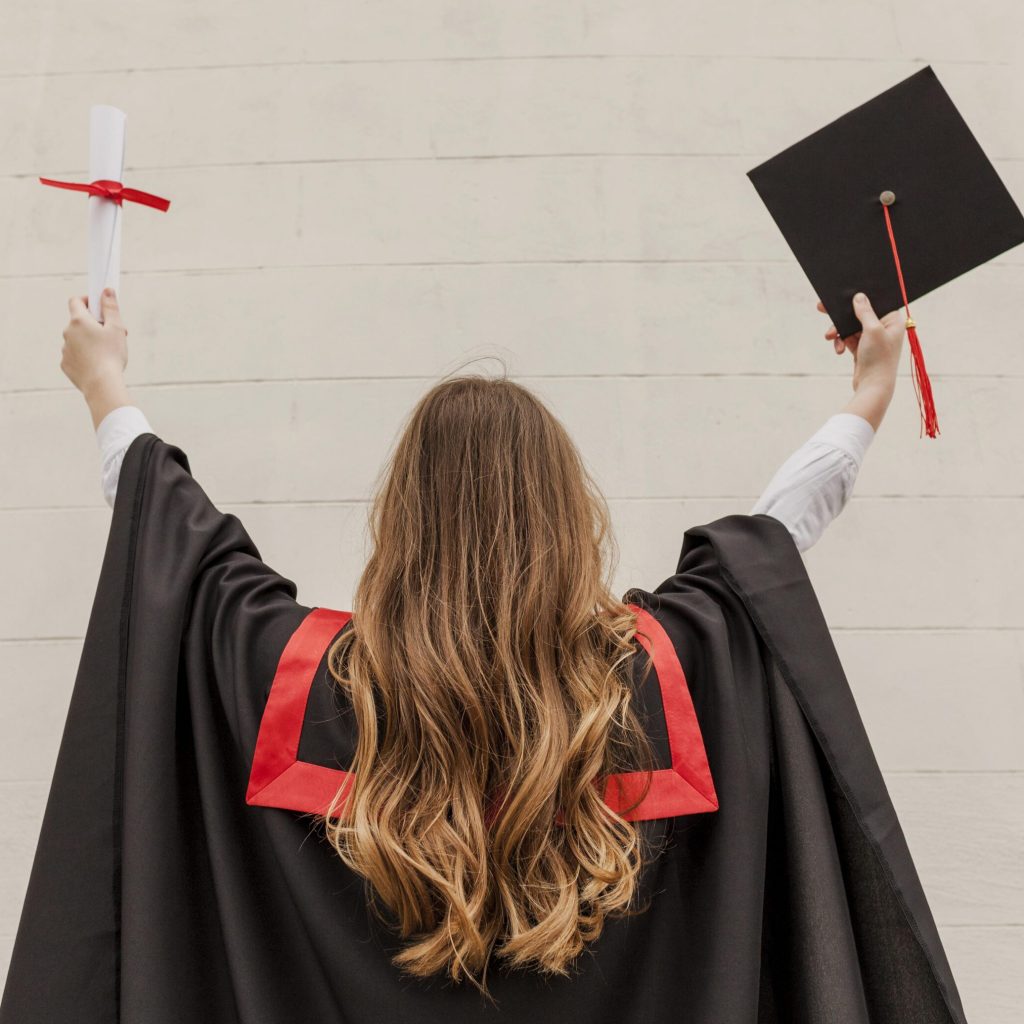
[[488, 667]]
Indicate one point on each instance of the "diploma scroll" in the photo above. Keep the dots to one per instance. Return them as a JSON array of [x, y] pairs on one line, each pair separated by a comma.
[[106, 161], [106, 193]]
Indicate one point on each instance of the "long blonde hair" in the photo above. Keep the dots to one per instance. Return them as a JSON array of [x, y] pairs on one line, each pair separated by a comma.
[[488, 667]]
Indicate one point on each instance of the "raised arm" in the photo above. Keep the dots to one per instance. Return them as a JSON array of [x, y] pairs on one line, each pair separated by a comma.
[[94, 358], [814, 484]]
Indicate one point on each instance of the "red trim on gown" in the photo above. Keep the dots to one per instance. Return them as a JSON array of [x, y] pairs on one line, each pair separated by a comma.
[[279, 779]]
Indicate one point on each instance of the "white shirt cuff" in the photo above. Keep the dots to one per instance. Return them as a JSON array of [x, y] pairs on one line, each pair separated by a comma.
[[848, 432], [114, 435], [121, 426]]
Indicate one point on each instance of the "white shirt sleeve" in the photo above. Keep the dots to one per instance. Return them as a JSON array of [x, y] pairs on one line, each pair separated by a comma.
[[813, 485], [115, 433]]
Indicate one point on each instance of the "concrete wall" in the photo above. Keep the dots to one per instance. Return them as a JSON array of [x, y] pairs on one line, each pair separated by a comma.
[[365, 194]]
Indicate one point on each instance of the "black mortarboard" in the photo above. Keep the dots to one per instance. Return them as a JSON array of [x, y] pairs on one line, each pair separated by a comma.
[[898, 187]]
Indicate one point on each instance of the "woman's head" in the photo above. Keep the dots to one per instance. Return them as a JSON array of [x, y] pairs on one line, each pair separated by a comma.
[[488, 670]]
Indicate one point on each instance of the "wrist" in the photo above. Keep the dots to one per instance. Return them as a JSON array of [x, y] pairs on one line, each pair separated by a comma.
[[104, 394], [880, 388], [872, 399]]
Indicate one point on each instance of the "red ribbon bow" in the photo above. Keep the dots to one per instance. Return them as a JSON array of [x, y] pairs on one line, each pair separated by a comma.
[[112, 190]]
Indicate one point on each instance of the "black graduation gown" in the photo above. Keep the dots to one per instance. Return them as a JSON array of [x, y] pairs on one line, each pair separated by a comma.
[[170, 884]]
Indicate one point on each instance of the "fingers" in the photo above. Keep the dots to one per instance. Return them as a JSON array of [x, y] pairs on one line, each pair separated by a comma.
[[77, 306], [839, 343], [110, 307], [866, 315], [832, 334], [863, 311]]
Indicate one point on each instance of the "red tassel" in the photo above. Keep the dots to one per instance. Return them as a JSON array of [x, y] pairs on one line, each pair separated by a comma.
[[922, 384]]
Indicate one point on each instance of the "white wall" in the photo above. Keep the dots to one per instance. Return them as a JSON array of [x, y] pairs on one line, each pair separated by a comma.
[[364, 194]]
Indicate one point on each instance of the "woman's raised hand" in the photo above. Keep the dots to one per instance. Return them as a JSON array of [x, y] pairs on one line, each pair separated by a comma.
[[95, 354], [876, 349]]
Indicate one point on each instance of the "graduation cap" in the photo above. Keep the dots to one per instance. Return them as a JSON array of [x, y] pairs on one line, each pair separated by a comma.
[[893, 199]]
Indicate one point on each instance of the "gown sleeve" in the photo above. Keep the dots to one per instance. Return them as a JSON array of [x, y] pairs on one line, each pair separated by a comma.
[[847, 932], [198, 570], [185, 631]]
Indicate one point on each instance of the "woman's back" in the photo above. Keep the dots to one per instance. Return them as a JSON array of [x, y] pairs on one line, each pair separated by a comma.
[[701, 873], [191, 866]]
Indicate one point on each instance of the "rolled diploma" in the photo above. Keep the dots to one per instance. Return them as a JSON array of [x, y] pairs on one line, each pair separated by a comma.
[[106, 161]]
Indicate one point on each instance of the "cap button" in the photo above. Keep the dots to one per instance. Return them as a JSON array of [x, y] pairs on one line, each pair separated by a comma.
[[887, 198]]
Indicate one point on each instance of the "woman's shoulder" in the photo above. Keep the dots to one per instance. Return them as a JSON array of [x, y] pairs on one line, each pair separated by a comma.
[[722, 564]]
